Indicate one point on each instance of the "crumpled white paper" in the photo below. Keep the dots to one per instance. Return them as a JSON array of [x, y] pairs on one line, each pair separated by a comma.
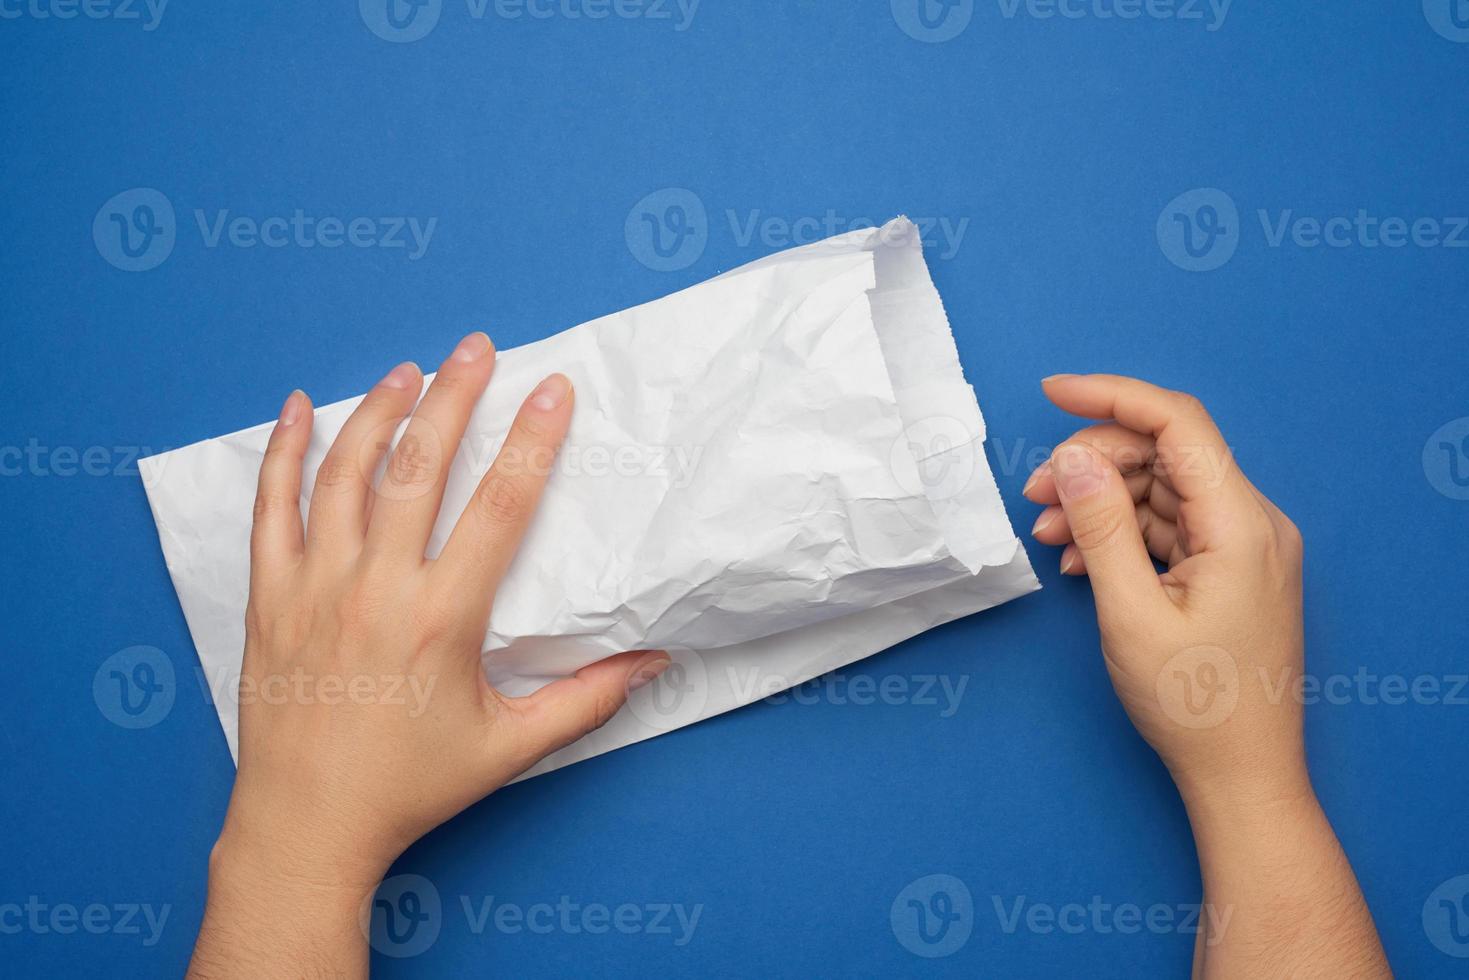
[[771, 474]]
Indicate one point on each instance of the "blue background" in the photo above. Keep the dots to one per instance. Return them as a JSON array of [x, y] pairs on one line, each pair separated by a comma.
[[795, 826]]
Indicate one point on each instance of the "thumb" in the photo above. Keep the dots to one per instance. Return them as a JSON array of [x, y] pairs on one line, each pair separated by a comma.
[[565, 710], [1104, 526]]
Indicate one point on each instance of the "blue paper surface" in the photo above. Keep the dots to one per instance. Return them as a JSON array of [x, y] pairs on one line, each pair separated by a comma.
[[1094, 187]]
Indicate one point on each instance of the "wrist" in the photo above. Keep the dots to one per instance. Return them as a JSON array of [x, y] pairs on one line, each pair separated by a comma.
[[297, 862], [1240, 799]]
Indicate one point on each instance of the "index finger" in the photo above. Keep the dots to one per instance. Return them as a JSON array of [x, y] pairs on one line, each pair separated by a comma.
[[1191, 452]]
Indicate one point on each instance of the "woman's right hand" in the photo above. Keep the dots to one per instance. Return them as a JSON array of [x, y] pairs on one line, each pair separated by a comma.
[[1206, 656]]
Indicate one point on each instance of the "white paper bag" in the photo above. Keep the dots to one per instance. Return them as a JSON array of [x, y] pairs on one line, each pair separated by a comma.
[[771, 474]]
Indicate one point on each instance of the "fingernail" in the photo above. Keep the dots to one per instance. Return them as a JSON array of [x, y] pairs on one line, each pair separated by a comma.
[[401, 377], [1044, 521], [648, 672], [1078, 473], [472, 348], [551, 393], [1034, 478], [291, 410], [1067, 560], [1058, 377]]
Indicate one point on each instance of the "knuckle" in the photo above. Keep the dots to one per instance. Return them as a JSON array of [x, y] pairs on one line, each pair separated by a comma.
[[532, 430], [1097, 528], [501, 500], [1291, 537], [415, 462], [269, 503], [1189, 405], [337, 471], [599, 712], [436, 621], [448, 383]]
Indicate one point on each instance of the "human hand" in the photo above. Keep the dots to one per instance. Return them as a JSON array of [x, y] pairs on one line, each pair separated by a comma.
[[382, 724], [1202, 655]]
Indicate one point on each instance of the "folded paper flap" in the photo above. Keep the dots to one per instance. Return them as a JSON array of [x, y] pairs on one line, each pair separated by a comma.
[[773, 452]]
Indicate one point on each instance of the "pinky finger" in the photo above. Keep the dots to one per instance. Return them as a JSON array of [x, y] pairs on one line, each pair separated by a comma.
[[277, 535]]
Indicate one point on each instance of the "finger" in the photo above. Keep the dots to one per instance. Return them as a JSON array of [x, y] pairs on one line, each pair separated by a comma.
[[277, 537], [406, 502], [1164, 499], [1162, 538], [1160, 535], [338, 518], [566, 710], [1130, 451], [1052, 528], [1190, 450], [1103, 521], [484, 540]]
